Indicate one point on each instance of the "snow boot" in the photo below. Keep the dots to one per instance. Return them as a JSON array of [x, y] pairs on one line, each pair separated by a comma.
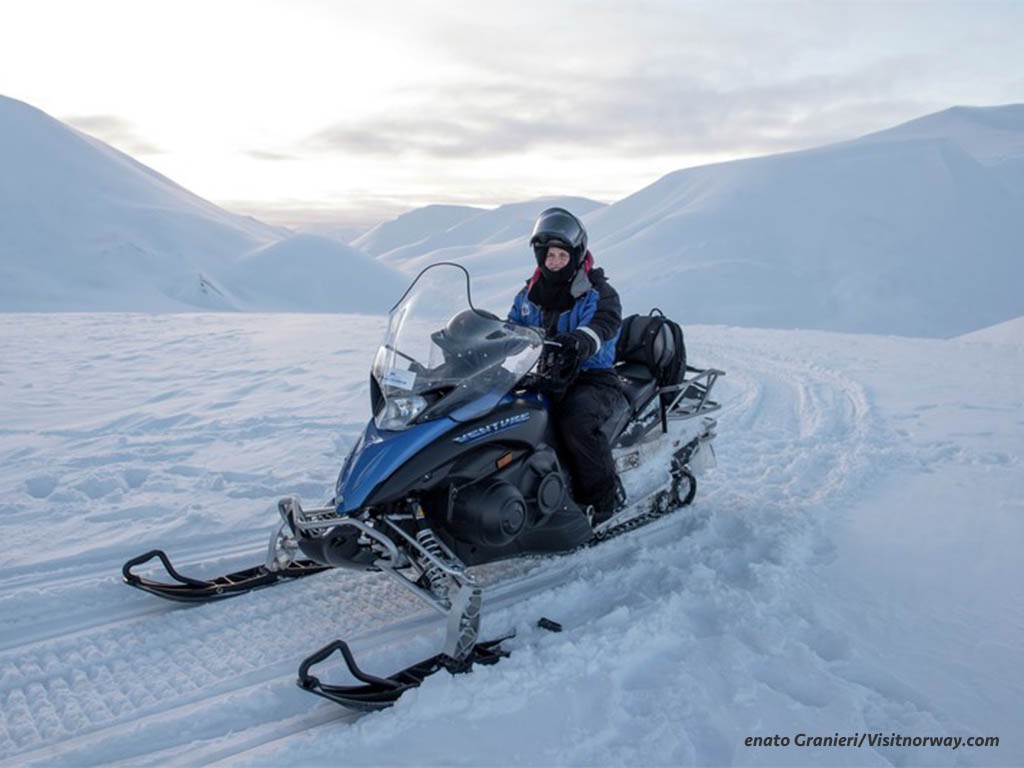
[[607, 505]]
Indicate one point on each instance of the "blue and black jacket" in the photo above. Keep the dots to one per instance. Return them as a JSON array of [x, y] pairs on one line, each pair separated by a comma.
[[596, 310]]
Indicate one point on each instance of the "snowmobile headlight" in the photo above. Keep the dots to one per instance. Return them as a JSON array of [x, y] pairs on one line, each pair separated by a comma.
[[398, 412]]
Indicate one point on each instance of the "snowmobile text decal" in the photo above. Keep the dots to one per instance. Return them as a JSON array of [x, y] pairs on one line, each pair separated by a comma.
[[400, 379], [490, 429]]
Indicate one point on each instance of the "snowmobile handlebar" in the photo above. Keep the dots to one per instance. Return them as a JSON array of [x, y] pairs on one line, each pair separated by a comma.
[[553, 372]]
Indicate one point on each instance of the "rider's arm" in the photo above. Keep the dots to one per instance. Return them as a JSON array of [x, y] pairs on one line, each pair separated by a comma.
[[607, 317], [598, 320], [516, 314]]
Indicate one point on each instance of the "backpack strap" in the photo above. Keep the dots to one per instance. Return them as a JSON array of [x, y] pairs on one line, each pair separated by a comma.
[[626, 351], [651, 334]]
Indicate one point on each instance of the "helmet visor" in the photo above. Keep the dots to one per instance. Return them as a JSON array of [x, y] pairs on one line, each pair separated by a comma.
[[557, 227]]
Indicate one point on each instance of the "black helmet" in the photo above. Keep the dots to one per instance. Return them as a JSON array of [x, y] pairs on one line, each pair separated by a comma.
[[556, 226]]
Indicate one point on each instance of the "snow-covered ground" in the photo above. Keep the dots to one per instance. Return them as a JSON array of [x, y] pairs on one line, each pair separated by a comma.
[[851, 567]]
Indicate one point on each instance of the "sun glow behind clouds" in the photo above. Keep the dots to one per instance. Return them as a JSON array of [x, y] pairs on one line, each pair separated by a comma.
[[394, 103], [214, 86]]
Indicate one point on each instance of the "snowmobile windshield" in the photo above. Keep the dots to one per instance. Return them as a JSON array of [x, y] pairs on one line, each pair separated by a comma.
[[443, 357]]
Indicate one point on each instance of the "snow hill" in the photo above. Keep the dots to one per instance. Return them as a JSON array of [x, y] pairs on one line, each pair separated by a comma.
[[492, 244], [915, 230], [1011, 332], [85, 227], [912, 231], [413, 228], [443, 233], [851, 567]]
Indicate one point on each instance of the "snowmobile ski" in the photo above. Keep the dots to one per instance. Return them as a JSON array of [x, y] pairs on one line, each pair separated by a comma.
[[381, 692], [188, 590]]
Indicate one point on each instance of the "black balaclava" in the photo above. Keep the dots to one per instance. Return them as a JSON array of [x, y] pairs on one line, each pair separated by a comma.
[[552, 290]]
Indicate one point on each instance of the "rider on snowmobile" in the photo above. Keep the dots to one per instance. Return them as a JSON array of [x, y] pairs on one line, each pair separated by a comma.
[[575, 305]]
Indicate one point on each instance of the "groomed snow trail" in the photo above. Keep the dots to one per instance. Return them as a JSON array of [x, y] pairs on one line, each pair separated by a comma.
[[121, 433]]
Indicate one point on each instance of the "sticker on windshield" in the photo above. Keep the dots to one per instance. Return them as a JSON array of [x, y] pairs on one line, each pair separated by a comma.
[[400, 379]]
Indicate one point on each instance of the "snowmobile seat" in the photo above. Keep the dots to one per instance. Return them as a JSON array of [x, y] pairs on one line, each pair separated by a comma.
[[639, 386], [638, 393]]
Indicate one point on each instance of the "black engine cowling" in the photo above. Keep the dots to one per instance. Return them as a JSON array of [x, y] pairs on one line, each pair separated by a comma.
[[490, 513], [494, 511]]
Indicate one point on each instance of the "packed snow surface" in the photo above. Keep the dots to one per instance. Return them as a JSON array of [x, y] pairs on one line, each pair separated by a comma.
[[851, 567]]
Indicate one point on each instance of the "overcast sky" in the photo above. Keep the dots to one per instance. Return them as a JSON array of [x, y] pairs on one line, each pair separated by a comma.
[[351, 111]]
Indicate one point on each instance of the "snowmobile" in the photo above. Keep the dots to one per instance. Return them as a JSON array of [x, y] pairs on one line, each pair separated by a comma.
[[459, 466]]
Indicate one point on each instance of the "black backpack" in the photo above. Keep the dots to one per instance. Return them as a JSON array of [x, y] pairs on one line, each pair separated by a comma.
[[656, 342]]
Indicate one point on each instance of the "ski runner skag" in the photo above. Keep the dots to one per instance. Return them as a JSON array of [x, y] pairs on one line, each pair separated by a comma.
[[459, 466]]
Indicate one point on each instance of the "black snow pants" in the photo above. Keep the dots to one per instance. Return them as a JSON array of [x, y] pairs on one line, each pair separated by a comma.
[[587, 405]]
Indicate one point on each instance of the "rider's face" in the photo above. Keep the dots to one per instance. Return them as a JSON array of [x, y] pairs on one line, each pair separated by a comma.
[[556, 259]]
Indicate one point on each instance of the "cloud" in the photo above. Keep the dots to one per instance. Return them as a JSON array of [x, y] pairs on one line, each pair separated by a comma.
[[347, 217], [114, 130], [660, 79], [627, 115], [263, 154]]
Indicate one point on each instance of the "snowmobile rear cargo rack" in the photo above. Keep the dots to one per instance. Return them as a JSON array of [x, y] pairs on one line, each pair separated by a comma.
[[690, 397]]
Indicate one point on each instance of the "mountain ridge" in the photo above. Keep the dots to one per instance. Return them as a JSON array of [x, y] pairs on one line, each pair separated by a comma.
[[867, 235], [913, 230], [86, 227]]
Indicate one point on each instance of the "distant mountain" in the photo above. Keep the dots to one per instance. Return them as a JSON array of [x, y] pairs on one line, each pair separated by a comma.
[[994, 136], [1010, 332], [991, 135], [916, 230], [913, 231], [412, 228], [492, 244], [85, 227], [306, 273], [435, 233]]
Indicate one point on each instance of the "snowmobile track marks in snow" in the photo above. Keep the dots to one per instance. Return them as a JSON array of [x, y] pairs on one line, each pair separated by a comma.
[[125, 678]]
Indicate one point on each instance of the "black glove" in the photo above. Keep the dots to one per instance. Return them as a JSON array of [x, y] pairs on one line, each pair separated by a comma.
[[578, 344], [562, 360]]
